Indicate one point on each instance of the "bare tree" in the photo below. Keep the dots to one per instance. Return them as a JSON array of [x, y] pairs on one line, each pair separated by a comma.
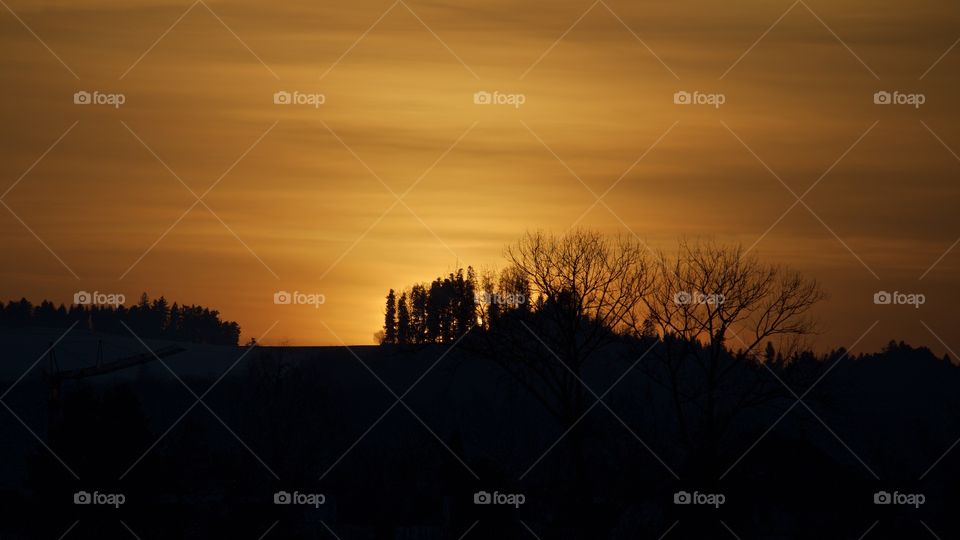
[[582, 287], [707, 301]]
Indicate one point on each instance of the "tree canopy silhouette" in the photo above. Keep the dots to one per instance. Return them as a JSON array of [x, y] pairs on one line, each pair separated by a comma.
[[147, 319]]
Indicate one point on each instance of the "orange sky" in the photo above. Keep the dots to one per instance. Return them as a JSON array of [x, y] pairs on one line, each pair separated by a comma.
[[307, 202]]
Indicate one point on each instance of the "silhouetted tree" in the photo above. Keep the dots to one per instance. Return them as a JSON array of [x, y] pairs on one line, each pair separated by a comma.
[[403, 320], [703, 297], [147, 319], [390, 319], [418, 313]]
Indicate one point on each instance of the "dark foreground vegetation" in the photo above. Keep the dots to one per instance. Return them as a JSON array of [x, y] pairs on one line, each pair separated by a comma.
[[156, 319], [585, 391]]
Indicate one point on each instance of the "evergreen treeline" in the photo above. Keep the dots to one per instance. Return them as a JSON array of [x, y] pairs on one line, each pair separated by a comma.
[[439, 312], [148, 319], [449, 306]]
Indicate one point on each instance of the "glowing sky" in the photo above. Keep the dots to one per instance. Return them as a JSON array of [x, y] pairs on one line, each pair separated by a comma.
[[309, 198]]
